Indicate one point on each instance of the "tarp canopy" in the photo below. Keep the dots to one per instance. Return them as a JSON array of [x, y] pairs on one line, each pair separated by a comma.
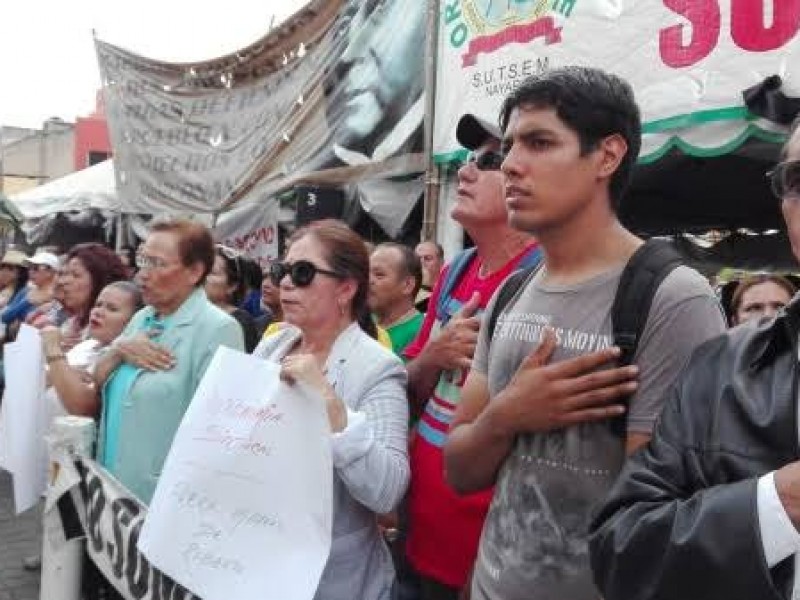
[[684, 193], [62, 210], [90, 188]]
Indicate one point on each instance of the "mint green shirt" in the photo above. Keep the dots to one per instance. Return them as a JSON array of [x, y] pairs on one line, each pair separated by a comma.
[[142, 409]]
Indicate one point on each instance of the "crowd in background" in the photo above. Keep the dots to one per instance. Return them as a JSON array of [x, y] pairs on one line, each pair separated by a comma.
[[448, 447], [83, 301], [52, 289]]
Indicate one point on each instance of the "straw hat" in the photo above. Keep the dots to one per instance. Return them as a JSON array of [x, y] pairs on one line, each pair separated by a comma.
[[14, 257]]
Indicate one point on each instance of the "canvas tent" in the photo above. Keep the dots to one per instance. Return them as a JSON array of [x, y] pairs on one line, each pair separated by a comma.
[[91, 188], [85, 206]]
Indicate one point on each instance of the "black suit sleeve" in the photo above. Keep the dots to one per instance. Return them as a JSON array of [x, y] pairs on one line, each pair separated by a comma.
[[668, 532]]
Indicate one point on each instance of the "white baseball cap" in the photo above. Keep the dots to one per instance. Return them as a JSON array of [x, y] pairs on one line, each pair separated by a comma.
[[48, 259]]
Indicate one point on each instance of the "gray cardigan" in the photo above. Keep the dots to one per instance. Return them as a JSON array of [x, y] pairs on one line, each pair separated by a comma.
[[370, 459]]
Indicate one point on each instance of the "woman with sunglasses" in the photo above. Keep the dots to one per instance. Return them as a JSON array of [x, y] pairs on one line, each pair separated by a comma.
[[327, 342], [225, 287]]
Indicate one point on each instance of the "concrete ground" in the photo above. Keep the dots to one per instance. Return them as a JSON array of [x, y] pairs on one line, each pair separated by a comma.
[[20, 536]]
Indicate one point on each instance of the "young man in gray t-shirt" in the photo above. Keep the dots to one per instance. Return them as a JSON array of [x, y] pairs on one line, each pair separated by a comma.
[[536, 409]]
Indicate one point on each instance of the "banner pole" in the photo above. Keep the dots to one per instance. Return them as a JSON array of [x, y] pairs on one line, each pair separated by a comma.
[[62, 554], [432, 182]]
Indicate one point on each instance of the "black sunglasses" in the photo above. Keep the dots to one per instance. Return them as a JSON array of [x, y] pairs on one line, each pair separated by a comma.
[[301, 272], [487, 161], [785, 179]]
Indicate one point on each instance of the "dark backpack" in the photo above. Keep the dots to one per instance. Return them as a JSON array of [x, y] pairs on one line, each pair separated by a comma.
[[646, 269]]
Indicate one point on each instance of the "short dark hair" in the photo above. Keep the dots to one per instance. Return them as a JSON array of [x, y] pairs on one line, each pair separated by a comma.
[[410, 265], [104, 267], [251, 273], [592, 102], [234, 272], [195, 244]]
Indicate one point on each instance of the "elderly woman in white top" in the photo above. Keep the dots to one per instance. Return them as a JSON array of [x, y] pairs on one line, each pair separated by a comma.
[[327, 342]]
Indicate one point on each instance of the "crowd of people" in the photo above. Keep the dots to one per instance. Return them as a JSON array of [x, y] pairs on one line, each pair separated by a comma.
[[484, 447]]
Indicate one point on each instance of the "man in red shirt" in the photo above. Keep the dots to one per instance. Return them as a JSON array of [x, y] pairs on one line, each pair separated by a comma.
[[443, 527]]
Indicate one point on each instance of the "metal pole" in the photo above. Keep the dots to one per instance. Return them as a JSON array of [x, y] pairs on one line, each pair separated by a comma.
[[2, 158], [432, 189], [62, 559], [120, 231]]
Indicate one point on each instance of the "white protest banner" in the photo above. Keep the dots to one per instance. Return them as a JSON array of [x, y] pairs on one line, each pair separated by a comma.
[[688, 61], [113, 519], [243, 507], [251, 228], [24, 418]]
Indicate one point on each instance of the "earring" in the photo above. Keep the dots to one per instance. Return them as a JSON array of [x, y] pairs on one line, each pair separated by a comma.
[[341, 307]]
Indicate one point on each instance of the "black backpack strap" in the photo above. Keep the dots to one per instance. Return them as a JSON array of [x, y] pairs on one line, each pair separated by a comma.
[[508, 288], [638, 284]]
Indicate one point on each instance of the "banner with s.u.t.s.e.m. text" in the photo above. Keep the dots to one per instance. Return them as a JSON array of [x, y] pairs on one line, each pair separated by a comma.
[[689, 62]]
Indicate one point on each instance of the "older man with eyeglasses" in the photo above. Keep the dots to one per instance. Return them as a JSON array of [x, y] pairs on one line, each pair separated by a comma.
[[711, 508]]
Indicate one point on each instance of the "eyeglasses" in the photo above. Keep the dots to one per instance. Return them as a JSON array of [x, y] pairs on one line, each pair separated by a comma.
[[145, 262], [301, 272], [785, 180], [487, 161]]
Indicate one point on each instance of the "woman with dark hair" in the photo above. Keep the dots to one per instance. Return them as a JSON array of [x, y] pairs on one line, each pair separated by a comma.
[[760, 295], [327, 342], [150, 374], [225, 287], [270, 304], [88, 269], [251, 276]]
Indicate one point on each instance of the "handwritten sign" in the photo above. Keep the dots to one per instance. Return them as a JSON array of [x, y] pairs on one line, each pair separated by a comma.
[[243, 508], [24, 418]]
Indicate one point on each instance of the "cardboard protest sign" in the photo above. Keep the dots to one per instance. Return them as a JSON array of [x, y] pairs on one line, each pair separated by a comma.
[[243, 508]]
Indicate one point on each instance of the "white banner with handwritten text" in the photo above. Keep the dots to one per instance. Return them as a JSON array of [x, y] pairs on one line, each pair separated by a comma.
[[243, 508]]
